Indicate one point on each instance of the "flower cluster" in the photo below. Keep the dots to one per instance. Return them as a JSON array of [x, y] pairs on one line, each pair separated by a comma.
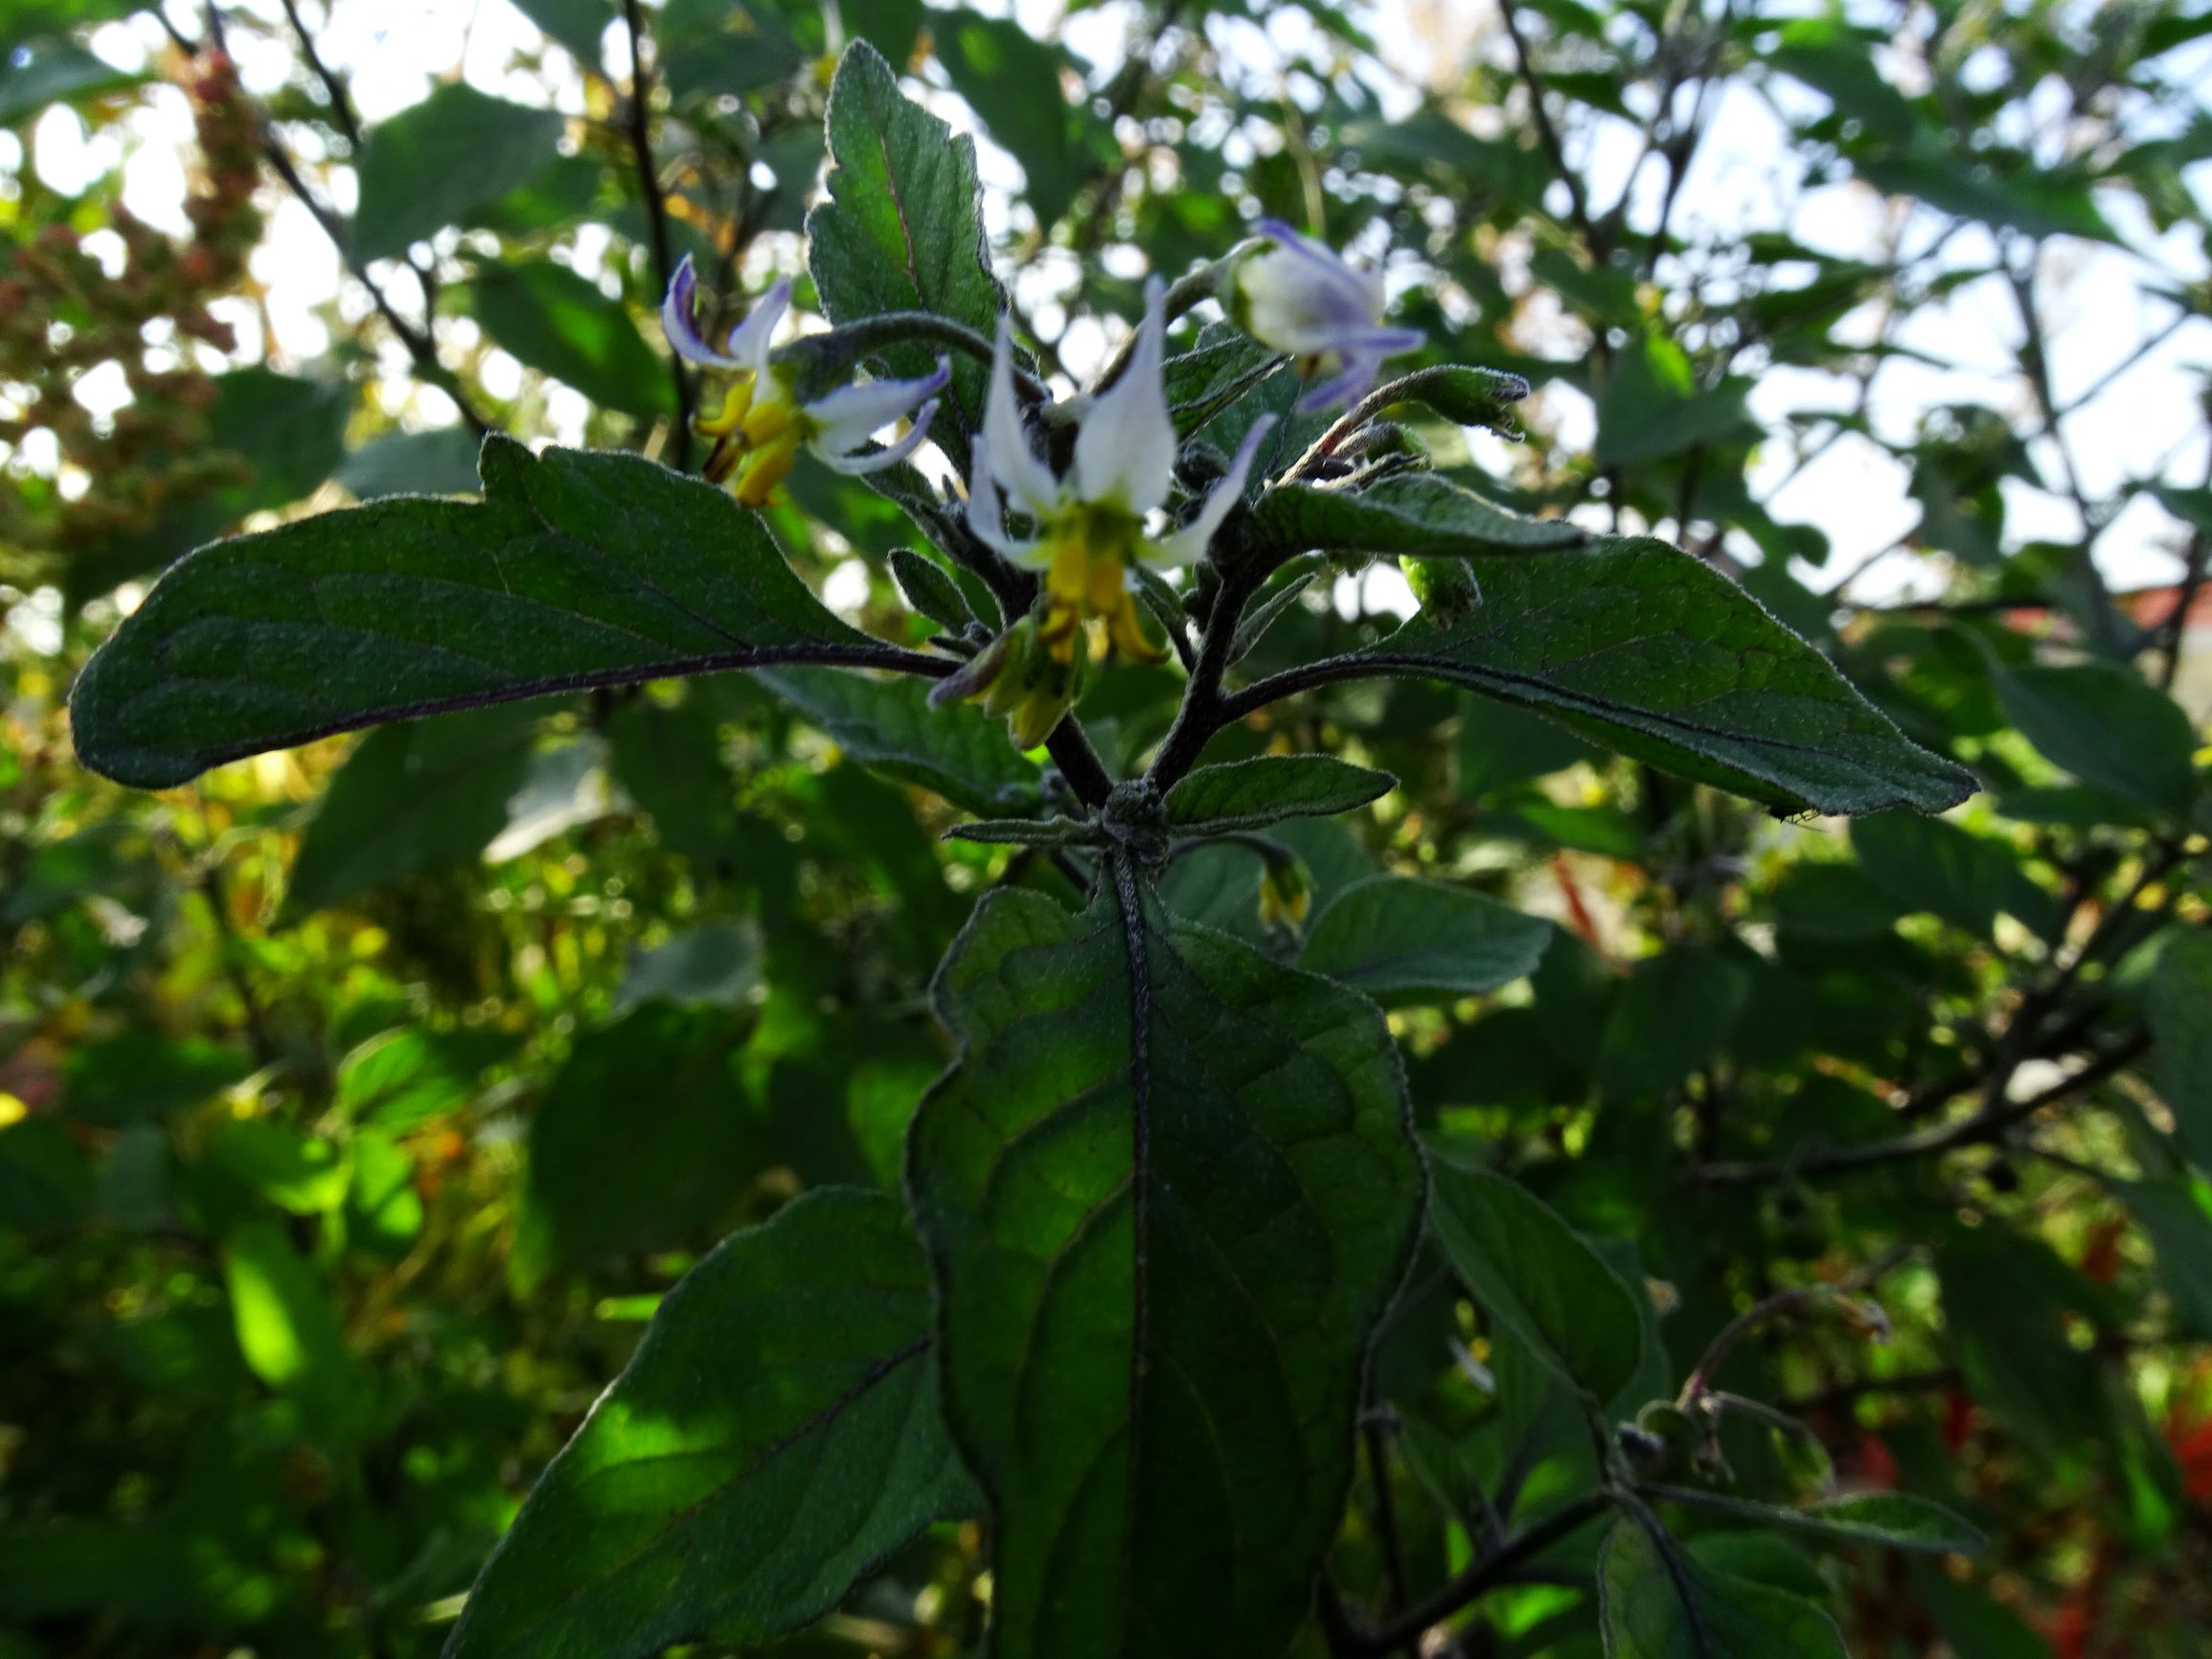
[[1089, 529]]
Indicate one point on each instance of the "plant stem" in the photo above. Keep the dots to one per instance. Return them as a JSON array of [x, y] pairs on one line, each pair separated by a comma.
[[656, 213]]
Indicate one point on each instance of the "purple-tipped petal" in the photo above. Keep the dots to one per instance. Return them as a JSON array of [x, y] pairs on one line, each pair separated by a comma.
[[679, 321], [849, 416], [852, 462], [1188, 544]]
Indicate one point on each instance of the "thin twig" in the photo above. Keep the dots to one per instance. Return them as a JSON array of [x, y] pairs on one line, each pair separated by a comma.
[[639, 108]]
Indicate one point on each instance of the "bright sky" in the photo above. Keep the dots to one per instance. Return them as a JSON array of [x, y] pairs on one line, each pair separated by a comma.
[[2147, 422]]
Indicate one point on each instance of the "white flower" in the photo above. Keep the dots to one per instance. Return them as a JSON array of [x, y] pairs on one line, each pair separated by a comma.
[[760, 425], [1300, 298], [1091, 528]]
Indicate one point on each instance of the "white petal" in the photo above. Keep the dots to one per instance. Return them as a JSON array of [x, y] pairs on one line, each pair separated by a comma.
[[852, 462], [749, 340], [1125, 449], [1320, 268], [847, 418], [1188, 545], [1005, 441], [987, 515]]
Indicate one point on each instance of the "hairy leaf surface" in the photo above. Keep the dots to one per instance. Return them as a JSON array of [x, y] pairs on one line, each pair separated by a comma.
[[575, 570], [1252, 794], [1641, 647], [903, 229]]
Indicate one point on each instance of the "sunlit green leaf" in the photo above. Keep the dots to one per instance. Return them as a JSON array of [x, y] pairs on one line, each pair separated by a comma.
[[1193, 1343]]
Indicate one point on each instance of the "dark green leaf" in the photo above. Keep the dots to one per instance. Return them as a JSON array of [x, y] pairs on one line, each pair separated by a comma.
[[1672, 1015], [928, 591], [1194, 1343], [1651, 408], [576, 570], [139, 1075], [1644, 649], [1535, 1275], [718, 964], [1660, 1608], [2172, 1215], [1252, 794], [1895, 1520], [775, 1435], [903, 228], [431, 164], [1500, 746], [1415, 513], [425, 795], [889, 727], [2108, 727], [2179, 1007], [1399, 940], [559, 323], [579, 25], [645, 1132], [1924, 863], [437, 463], [46, 1181], [2005, 1299]]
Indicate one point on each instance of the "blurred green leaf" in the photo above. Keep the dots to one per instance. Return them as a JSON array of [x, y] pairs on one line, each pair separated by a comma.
[[2173, 1215], [645, 1132], [138, 1076], [55, 71], [428, 166], [1011, 79], [2179, 1009], [717, 964], [288, 1329], [560, 323], [1928, 864], [424, 795], [2074, 712], [437, 463], [579, 25]]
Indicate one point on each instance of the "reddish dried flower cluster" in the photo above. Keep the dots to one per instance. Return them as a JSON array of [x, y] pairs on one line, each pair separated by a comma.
[[61, 315]]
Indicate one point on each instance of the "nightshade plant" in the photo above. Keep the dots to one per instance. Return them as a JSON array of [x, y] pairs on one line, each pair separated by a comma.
[[1157, 1210]]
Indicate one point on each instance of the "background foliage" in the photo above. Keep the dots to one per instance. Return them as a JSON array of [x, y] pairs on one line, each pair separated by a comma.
[[362, 1102]]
